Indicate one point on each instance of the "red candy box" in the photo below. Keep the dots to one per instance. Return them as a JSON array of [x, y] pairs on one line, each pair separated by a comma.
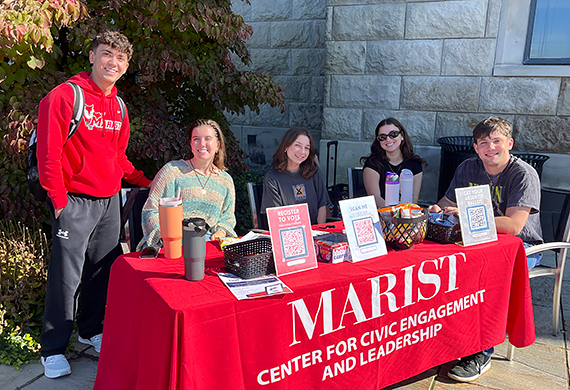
[[332, 248]]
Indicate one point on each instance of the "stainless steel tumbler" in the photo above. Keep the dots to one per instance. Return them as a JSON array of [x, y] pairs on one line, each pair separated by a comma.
[[194, 247]]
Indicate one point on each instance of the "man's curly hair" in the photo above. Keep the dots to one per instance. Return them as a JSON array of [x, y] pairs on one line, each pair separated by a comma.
[[114, 39]]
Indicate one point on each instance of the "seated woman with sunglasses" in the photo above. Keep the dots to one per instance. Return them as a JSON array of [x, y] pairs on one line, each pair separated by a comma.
[[391, 151]]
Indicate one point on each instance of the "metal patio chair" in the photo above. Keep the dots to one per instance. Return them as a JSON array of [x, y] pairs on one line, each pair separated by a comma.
[[556, 227]]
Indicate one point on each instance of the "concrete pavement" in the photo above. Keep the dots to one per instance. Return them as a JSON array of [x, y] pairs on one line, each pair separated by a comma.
[[83, 361]]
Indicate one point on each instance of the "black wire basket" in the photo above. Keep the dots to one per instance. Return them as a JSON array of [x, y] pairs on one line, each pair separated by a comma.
[[403, 233], [250, 259], [444, 234]]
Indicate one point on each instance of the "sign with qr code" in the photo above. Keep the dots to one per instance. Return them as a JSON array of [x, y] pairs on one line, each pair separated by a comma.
[[476, 214], [363, 228], [291, 238], [293, 243], [477, 218], [364, 231]]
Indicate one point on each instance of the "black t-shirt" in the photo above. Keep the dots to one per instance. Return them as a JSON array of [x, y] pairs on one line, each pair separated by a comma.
[[384, 166]]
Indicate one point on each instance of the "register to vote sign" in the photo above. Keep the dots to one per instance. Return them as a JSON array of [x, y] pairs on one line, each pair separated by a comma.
[[291, 238]]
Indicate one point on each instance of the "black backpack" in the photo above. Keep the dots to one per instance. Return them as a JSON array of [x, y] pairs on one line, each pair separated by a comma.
[[40, 194]]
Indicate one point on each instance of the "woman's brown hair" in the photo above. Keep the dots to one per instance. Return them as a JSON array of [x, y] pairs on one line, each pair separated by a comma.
[[309, 167], [379, 154], [220, 157]]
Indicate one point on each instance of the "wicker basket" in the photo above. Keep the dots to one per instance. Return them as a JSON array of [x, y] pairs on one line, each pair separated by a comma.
[[403, 233], [249, 259], [442, 233]]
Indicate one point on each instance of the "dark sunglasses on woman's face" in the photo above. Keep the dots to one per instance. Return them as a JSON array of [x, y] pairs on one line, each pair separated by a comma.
[[393, 134]]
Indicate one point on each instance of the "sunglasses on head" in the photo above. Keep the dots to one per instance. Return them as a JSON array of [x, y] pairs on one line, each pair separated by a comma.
[[393, 134]]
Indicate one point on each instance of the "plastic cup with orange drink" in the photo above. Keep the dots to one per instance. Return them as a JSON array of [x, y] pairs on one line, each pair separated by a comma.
[[170, 220]]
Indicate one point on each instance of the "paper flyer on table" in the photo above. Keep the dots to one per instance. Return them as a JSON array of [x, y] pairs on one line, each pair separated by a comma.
[[476, 214], [291, 238], [264, 286], [363, 228]]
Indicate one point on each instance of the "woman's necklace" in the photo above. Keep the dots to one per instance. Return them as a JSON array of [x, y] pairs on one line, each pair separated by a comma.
[[396, 168], [200, 181]]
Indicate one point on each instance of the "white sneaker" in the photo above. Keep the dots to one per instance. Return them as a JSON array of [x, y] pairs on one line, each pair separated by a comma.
[[94, 341], [55, 366]]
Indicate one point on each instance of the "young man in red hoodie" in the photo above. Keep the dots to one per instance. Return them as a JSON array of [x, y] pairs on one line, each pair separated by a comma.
[[82, 176]]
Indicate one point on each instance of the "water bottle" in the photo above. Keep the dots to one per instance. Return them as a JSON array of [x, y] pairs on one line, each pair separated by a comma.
[[194, 247], [392, 189], [407, 186]]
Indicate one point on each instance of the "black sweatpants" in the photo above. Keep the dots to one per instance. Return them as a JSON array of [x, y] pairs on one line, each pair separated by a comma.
[[85, 243]]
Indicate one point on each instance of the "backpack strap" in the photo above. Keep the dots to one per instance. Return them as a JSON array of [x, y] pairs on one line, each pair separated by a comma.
[[76, 117], [33, 139], [78, 108], [122, 106]]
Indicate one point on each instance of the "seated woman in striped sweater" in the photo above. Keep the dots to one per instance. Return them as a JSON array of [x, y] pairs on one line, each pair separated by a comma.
[[207, 190]]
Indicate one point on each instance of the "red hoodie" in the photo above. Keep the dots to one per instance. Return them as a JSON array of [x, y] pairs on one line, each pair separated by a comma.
[[93, 160]]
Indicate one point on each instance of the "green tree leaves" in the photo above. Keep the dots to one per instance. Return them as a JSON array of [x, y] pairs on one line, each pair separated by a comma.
[[182, 68]]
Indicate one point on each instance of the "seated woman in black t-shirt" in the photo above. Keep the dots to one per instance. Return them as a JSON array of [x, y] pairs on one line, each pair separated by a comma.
[[391, 151], [295, 176]]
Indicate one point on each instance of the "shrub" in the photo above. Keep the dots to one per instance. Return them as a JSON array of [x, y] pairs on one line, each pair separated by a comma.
[[23, 274], [17, 348]]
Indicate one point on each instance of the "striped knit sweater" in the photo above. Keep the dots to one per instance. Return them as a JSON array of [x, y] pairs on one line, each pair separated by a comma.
[[216, 206]]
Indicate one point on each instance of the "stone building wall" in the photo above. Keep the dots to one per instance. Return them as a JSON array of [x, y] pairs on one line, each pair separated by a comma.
[[437, 66], [431, 65], [288, 42]]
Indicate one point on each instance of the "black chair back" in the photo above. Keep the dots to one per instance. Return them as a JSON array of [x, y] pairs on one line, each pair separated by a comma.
[[554, 212], [356, 182], [255, 193], [132, 210]]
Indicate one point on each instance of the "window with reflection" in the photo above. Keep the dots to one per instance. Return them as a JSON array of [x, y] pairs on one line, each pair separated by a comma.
[[548, 37]]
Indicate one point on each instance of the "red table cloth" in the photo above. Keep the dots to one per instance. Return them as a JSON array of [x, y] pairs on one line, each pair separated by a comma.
[[367, 324]]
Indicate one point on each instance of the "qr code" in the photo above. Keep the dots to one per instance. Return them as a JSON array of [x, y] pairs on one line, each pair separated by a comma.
[[364, 230], [477, 218], [293, 242]]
